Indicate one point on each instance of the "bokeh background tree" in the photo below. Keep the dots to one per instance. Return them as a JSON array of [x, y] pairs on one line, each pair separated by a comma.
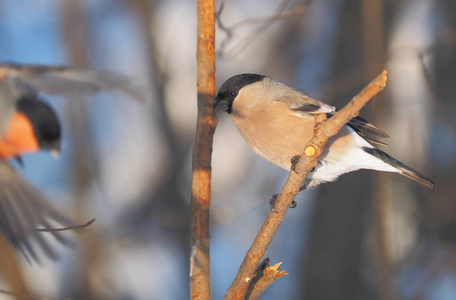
[[366, 236]]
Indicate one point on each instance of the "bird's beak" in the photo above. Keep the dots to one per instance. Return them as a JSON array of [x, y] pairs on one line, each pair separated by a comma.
[[220, 105], [55, 153]]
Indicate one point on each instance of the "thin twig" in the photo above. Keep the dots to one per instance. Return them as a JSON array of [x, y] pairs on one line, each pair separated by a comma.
[[263, 24], [219, 21], [67, 228], [279, 14], [295, 180]]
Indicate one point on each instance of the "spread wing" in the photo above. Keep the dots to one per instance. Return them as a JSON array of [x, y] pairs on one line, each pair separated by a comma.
[[22, 210], [64, 80]]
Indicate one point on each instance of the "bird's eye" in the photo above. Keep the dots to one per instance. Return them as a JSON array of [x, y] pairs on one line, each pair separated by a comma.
[[233, 94]]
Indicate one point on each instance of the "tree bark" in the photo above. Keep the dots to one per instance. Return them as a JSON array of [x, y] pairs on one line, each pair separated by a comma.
[[202, 152]]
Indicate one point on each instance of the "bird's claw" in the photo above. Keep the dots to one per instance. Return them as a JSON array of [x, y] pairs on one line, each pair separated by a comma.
[[294, 161], [273, 200]]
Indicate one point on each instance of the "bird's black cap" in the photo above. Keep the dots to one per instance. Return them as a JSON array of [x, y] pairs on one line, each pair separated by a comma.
[[230, 89], [45, 124]]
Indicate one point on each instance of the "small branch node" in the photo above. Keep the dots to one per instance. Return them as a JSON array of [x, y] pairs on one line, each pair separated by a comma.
[[310, 151]]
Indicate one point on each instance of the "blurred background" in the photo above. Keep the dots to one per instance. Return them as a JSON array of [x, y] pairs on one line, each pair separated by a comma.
[[366, 236]]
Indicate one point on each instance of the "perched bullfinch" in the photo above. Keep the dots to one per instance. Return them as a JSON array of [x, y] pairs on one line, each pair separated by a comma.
[[27, 124], [277, 121]]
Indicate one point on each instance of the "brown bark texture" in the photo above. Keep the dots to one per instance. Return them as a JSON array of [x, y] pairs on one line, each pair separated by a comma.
[[202, 151]]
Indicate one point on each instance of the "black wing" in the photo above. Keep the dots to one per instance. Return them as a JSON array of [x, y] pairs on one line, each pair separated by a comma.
[[366, 130]]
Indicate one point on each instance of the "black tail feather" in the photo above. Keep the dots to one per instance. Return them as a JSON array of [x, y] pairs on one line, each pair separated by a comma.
[[406, 171]]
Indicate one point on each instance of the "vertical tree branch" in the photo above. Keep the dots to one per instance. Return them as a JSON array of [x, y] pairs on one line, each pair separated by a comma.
[[324, 130], [202, 151], [382, 208], [75, 35]]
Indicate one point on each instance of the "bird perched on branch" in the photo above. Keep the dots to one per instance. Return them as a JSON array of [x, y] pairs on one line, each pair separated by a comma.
[[27, 124], [277, 121]]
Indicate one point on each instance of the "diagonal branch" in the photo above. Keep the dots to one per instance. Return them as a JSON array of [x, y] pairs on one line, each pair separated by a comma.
[[324, 130]]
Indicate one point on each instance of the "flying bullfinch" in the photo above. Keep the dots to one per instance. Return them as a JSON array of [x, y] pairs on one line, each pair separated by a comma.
[[277, 121], [27, 124]]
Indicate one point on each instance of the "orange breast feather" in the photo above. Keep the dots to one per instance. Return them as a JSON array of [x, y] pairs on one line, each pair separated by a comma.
[[18, 137]]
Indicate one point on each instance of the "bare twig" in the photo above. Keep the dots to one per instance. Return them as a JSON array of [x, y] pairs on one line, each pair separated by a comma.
[[67, 228], [202, 151], [279, 14], [263, 24], [308, 160]]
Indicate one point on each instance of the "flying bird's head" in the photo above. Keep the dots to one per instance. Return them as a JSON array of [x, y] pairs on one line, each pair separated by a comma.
[[44, 121], [230, 90]]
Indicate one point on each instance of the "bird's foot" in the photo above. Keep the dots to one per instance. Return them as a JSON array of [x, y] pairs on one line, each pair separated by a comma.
[[308, 184], [273, 200], [294, 161]]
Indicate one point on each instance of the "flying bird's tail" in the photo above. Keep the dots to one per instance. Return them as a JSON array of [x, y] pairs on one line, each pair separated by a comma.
[[404, 170]]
